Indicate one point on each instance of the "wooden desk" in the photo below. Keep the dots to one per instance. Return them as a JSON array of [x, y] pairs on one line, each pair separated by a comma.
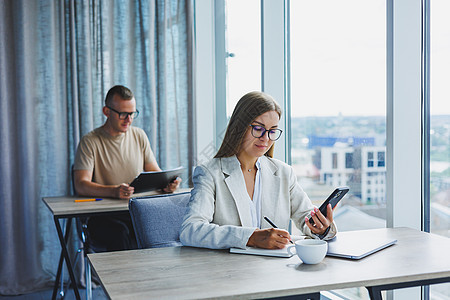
[[192, 273], [65, 207]]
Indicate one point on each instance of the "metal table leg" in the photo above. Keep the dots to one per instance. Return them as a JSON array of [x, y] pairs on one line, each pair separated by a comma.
[[374, 293], [65, 255], [88, 278], [60, 264]]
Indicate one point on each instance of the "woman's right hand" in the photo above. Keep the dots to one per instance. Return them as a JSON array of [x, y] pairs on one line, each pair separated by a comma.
[[269, 238]]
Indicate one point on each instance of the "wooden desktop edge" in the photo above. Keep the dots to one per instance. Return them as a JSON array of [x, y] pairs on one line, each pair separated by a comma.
[[65, 207]]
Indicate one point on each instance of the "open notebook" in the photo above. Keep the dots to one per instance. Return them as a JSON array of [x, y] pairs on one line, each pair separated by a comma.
[[347, 244], [265, 252]]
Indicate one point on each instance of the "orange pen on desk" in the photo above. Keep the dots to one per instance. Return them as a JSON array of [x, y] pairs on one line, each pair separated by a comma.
[[88, 200]]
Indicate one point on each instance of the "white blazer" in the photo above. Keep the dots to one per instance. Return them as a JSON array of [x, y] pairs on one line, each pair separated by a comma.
[[218, 214]]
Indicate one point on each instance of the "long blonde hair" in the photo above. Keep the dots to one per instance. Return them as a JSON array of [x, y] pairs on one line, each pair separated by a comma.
[[249, 107]]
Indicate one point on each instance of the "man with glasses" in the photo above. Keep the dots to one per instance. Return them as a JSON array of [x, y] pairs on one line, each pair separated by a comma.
[[107, 159]]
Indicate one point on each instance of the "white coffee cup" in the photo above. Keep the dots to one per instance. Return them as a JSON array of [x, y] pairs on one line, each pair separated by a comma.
[[310, 251]]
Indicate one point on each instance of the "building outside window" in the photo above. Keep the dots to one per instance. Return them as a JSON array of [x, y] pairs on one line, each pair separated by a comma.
[[349, 160], [380, 158], [335, 160], [370, 159]]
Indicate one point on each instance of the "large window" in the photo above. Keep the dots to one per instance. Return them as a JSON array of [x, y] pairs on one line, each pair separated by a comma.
[[440, 118], [338, 75], [243, 23], [440, 128], [341, 78]]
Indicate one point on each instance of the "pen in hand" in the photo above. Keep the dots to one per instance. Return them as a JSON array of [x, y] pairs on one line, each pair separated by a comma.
[[274, 226]]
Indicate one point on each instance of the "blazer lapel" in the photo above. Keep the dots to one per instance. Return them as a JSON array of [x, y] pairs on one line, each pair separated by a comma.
[[236, 184], [270, 191]]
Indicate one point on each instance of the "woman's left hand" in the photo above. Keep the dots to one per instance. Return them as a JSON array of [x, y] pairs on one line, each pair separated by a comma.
[[171, 187], [320, 222]]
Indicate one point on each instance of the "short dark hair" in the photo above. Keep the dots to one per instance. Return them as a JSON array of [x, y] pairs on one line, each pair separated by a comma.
[[249, 107], [123, 92]]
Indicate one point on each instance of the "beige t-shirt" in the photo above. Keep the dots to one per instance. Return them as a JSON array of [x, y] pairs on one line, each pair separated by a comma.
[[114, 159]]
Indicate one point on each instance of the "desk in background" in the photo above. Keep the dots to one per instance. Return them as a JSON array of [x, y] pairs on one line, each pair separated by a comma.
[[65, 207], [417, 259]]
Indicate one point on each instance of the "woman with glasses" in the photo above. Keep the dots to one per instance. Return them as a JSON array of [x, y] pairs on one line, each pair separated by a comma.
[[243, 184]]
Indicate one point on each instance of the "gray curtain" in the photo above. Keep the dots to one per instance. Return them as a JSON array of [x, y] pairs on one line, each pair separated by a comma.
[[57, 61]]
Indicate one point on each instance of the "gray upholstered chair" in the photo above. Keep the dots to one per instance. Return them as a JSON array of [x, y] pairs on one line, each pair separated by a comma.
[[157, 219]]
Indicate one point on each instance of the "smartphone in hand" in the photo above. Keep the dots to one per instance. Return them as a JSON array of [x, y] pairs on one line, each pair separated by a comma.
[[333, 199]]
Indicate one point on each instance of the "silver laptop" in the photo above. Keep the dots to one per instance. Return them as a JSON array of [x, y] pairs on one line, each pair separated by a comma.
[[359, 244]]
